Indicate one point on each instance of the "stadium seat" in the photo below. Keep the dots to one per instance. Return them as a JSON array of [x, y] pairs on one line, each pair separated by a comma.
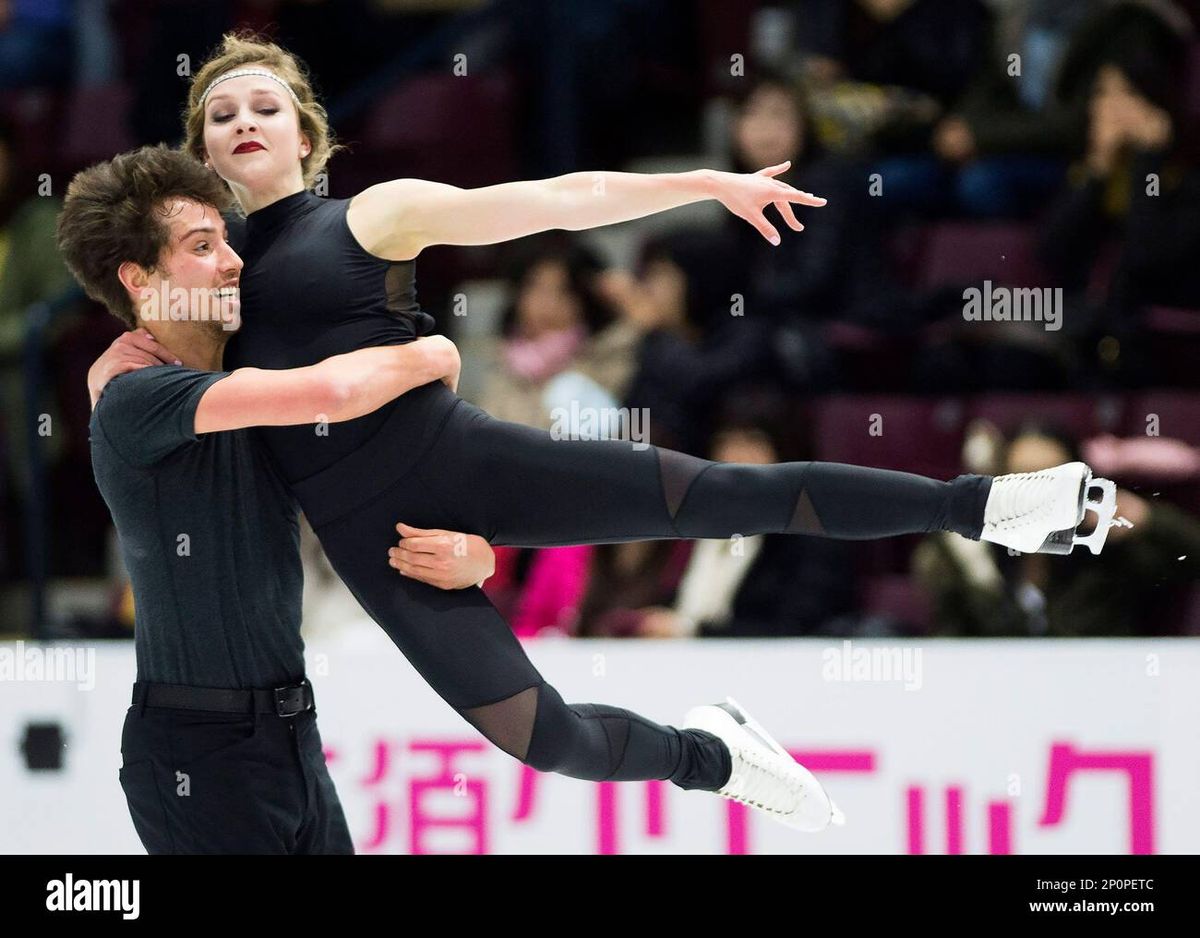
[[964, 252], [1178, 414], [446, 128], [34, 114], [899, 597], [1082, 415], [911, 434]]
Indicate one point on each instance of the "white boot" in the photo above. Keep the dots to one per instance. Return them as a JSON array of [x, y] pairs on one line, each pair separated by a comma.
[[764, 775], [1038, 512]]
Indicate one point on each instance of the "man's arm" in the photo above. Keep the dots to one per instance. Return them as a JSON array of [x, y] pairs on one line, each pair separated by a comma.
[[342, 387]]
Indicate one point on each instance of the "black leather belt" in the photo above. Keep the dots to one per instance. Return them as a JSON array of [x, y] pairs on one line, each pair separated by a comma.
[[282, 701]]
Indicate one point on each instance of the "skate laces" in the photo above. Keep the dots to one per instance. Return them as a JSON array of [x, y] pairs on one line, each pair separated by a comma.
[[759, 780], [1021, 497]]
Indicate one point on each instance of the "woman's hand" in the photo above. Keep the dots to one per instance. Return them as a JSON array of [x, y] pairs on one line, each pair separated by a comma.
[[128, 352], [1146, 125], [748, 194], [662, 622], [1105, 135], [449, 560]]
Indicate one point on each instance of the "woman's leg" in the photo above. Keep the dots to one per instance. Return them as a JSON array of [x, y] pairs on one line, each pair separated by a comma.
[[469, 655], [520, 486]]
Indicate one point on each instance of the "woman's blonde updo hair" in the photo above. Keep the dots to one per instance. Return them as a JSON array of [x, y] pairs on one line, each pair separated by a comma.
[[239, 49]]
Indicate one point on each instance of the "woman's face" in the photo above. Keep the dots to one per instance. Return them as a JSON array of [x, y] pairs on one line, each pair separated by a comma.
[[545, 301], [1031, 453], [252, 134], [744, 446], [666, 286], [767, 130]]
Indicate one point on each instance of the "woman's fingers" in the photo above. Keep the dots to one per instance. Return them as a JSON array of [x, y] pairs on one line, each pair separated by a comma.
[[805, 198], [132, 357], [789, 216], [142, 340], [776, 169], [766, 229]]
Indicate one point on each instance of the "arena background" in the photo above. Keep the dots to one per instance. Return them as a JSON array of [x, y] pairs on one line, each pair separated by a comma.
[[956, 698]]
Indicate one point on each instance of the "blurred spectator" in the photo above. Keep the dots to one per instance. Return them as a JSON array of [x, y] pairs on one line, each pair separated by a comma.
[[685, 360], [980, 589], [1004, 145], [604, 81], [33, 35], [95, 43], [834, 270], [560, 343], [30, 270], [162, 40], [768, 585], [1130, 217], [886, 70], [629, 585]]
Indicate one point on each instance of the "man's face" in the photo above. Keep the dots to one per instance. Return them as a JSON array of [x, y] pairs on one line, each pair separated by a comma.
[[196, 279]]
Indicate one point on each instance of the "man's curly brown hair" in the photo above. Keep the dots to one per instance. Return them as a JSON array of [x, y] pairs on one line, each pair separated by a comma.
[[113, 212]]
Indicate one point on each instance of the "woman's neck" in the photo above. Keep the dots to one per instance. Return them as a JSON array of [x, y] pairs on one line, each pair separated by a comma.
[[252, 200]]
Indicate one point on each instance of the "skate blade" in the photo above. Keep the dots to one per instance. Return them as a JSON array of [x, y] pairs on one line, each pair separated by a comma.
[[1105, 507]]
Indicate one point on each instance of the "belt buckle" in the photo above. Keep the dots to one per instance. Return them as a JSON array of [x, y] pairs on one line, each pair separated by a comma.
[[289, 700]]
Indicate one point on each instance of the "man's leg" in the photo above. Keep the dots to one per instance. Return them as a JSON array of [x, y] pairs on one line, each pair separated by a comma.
[[211, 782], [324, 830]]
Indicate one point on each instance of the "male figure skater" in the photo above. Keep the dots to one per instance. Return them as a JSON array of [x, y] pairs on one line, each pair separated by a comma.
[[221, 752]]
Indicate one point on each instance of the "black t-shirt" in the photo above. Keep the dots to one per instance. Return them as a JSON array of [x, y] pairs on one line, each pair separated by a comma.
[[209, 534]]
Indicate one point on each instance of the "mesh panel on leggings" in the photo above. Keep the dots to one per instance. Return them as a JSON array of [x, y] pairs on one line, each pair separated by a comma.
[[509, 722], [678, 471], [804, 519]]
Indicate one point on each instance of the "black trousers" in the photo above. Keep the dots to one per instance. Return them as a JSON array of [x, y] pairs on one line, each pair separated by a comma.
[[211, 782], [440, 461]]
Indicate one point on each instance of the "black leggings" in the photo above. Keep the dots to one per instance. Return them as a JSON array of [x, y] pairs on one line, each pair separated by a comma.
[[442, 462]]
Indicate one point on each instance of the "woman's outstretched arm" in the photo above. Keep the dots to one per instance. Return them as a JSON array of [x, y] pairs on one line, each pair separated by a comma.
[[399, 219]]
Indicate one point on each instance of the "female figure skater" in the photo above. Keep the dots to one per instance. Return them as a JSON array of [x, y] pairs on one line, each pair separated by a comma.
[[325, 276]]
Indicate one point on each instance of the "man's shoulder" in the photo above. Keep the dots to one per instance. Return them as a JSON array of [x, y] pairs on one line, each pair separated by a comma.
[[148, 413], [152, 379]]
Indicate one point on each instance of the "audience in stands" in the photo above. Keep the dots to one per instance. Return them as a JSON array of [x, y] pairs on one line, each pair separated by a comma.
[[1132, 588], [1030, 143]]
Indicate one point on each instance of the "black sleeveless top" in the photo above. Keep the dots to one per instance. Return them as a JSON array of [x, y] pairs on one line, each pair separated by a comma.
[[309, 290]]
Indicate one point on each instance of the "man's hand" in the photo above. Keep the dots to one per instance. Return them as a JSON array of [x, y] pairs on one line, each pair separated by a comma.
[[128, 352], [448, 560], [627, 294], [454, 366]]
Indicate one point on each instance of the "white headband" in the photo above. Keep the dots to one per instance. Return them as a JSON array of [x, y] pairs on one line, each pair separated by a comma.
[[239, 72]]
